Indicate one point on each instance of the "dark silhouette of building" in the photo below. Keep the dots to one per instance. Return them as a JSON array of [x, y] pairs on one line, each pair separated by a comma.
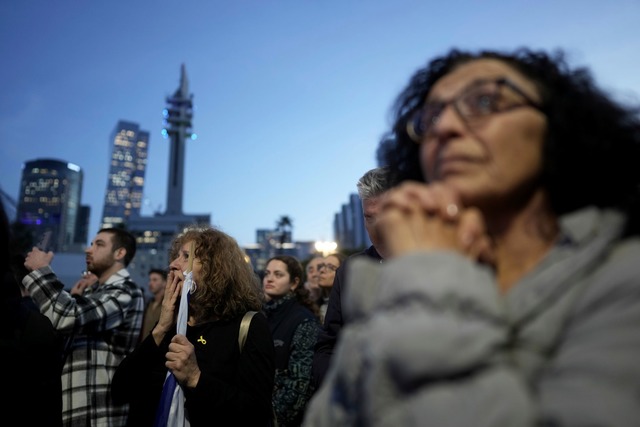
[[82, 227]]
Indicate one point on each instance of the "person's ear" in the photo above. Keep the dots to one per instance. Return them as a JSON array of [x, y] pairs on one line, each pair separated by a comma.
[[120, 254], [296, 282]]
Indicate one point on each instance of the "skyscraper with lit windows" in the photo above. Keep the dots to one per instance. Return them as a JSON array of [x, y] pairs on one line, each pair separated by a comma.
[[125, 184], [49, 200]]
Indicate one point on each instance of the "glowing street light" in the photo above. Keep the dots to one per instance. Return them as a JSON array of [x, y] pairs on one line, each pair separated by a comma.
[[325, 247]]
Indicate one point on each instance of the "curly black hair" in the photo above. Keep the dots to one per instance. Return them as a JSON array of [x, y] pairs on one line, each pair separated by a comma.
[[592, 146]]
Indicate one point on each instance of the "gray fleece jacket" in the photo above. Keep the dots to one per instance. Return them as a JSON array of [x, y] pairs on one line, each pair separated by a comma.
[[433, 343]]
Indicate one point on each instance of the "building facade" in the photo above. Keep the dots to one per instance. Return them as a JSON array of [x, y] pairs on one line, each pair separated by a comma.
[[127, 167], [49, 202], [348, 226]]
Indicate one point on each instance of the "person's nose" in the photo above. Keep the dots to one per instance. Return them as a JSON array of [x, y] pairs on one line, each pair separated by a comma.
[[175, 265], [448, 124]]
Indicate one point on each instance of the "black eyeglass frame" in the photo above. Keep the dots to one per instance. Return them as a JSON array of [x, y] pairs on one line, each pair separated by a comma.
[[327, 266], [416, 120]]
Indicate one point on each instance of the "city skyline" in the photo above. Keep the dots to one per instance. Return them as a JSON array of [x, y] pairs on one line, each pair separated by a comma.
[[290, 100]]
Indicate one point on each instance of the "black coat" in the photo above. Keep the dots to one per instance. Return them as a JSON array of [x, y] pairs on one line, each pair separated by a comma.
[[333, 320], [234, 388]]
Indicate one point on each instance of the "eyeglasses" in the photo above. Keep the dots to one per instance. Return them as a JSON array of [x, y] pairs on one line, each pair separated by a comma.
[[479, 100], [328, 266]]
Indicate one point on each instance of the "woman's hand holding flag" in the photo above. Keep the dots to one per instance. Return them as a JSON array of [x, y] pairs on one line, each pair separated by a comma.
[[181, 360], [171, 409]]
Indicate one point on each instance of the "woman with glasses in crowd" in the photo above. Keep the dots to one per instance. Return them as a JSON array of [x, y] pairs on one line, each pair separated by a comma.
[[511, 296], [326, 273]]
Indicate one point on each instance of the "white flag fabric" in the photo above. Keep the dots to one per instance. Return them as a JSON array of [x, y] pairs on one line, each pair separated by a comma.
[[171, 409]]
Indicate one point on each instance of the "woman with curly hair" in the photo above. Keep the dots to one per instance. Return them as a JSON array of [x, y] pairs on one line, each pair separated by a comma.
[[511, 296], [222, 384]]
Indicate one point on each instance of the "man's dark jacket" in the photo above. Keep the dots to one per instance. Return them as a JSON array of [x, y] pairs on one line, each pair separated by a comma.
[[333, 320]]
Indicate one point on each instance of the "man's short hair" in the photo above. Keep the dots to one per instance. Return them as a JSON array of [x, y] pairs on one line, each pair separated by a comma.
[[162, 272], [374, 182], [121, 238]]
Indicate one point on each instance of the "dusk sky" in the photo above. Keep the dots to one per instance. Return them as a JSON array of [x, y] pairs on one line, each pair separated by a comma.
[[291, 97]]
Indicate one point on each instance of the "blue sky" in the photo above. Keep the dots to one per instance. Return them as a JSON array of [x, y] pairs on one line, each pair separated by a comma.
[[291, 97]]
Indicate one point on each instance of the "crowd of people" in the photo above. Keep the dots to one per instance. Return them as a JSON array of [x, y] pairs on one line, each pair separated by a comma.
[[501, 287]]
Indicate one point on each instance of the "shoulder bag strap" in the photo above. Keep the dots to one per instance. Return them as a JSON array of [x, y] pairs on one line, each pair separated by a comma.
[[242, 337], [244, 328]]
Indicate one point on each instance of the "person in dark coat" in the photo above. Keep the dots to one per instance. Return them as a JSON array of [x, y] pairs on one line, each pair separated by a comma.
[[371, 187], [31, 351]]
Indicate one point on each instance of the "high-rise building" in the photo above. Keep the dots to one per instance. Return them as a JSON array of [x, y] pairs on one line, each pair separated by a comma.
[[82, 226], [127, 168], [49, 200], [348, 225], [155, 234]]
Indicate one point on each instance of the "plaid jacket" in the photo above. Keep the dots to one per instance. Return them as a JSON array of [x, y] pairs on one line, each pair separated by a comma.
[[101, 327]]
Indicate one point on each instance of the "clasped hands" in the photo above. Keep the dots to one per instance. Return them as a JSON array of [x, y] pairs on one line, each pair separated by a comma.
[[417, 216]]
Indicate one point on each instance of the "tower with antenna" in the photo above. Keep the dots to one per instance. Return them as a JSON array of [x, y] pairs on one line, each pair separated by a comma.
[[154, 234], [177, 127]]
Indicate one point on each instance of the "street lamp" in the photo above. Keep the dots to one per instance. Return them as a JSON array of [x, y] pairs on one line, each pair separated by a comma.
[[325, 247]]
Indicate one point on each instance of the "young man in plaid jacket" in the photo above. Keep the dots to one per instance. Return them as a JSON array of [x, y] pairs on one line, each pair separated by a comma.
[[101, 325]]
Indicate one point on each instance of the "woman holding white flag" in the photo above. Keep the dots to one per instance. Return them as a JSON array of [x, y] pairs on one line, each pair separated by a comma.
[[219, 384]]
